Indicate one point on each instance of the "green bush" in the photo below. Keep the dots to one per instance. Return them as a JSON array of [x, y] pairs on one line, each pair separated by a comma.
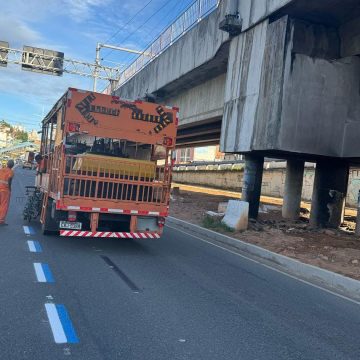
[[214, 223]]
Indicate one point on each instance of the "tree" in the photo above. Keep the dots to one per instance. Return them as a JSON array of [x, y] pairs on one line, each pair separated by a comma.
[[4, 123], [17, 135], [21, 136]]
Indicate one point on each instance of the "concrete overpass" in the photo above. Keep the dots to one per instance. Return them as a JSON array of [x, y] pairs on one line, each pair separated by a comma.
[[285, 85]]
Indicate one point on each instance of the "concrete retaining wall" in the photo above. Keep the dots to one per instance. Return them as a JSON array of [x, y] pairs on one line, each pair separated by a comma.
[[272, 185]]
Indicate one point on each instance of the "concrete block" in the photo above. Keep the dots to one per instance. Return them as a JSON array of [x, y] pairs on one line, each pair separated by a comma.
[[222, 207], [237, 215]]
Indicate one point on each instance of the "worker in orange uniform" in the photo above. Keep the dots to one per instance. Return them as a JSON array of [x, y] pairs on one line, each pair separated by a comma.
[[6, 176]]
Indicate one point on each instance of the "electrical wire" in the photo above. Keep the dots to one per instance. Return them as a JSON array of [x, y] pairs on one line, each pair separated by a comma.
[[130, 57], [148, 19], [128, 23], [168, 22]]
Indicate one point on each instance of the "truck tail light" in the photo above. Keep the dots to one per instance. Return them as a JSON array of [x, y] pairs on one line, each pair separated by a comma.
[[161, 222], [168, 141], [72, 216]]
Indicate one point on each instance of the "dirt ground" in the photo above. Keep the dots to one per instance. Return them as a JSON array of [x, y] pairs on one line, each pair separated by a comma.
[[334, 250]]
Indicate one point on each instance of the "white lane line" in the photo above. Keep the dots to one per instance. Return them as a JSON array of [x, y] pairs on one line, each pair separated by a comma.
[[34, 246], [55, 324], [269, 267], [43, 273], [39, 272], [26, 230], [31, 246]]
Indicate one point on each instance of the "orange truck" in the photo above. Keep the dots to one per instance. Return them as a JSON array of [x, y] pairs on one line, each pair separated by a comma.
[[104, 167]]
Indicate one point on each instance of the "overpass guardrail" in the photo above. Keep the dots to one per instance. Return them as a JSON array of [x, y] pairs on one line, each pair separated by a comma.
[[192, 15], [22, 145]]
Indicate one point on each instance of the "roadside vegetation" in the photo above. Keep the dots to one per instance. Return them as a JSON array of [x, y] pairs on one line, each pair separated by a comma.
[[215, 224], [17, 135]]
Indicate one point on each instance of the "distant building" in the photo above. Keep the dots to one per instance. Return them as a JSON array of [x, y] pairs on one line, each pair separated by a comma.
[[5, 136], [184, 156], [33, 136], [18, 127], [204, 153]]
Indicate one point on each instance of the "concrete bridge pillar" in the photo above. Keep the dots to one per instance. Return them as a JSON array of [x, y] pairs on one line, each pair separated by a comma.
[[329, 193], [293, 189], [252, 180]]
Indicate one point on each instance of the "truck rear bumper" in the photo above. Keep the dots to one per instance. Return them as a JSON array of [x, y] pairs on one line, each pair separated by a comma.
[[106, 234]]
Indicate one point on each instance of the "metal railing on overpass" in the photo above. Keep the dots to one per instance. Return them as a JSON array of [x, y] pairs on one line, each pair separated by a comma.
[[23, 145], [188, 19]]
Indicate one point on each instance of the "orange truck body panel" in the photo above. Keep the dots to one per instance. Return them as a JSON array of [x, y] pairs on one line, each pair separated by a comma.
[[91, 183], [113, 118]]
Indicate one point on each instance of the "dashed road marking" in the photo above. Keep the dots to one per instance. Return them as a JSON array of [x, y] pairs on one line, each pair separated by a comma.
[[34, 246], [28, 230], [43, 273], [61, 325]]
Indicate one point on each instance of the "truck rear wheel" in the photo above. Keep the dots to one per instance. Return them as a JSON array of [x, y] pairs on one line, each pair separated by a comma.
[[49, 225]]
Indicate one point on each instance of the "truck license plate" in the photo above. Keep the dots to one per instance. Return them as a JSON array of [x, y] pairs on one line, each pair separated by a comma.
[[70, 225]]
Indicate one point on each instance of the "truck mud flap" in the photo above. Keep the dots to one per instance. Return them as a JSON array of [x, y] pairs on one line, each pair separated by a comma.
[[106, 234]]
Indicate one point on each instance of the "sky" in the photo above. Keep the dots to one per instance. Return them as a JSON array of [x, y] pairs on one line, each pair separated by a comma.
[[73, 27]]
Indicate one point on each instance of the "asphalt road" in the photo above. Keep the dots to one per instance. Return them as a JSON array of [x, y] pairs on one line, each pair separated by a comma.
[[171, 298]]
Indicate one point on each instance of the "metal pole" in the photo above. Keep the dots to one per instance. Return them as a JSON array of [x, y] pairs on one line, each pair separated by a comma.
[[113, 47], [97, 57], [97, 63], [357, 228], [113, 84]]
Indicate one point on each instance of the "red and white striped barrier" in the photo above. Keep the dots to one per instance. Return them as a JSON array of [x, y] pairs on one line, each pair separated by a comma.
[[106, 234]]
